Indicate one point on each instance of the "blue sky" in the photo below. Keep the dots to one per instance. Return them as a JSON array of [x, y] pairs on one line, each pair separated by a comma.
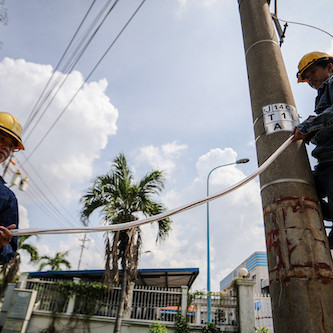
[[172, 94]]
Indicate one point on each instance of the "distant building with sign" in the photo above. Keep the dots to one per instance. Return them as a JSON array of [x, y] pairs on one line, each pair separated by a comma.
[[256, 264]]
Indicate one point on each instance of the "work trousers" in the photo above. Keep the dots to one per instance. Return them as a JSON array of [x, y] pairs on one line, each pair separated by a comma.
[[323, 175]]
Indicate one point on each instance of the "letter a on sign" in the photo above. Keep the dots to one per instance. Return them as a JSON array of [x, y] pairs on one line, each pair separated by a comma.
[[277, 127]]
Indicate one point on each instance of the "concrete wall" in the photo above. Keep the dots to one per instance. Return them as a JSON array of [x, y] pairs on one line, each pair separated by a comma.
[[40, 320]]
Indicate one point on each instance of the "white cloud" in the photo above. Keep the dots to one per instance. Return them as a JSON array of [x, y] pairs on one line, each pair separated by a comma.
[[213, 158], [161, 158], [67, 154], [23, 217], [173, 149]]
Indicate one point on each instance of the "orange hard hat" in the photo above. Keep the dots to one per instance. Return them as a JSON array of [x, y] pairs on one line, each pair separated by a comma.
[[11, 126], [308, 60]]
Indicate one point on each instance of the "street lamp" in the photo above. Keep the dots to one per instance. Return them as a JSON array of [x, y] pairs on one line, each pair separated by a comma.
[[240, 161]]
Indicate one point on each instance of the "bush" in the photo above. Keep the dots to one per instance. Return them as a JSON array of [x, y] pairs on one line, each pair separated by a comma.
[[156, 327], [181, 324], [210, 328], [261, 330]]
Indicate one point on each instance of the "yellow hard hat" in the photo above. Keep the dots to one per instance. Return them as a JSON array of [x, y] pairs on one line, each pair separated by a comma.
[[10, 125], [308, 60]]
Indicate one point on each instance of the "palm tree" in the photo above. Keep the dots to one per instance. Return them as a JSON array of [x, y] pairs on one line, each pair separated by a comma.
[[10, 270], [55, 262], [120, 199]]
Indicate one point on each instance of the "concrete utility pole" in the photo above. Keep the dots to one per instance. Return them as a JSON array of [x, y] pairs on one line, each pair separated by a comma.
[[299, 259]]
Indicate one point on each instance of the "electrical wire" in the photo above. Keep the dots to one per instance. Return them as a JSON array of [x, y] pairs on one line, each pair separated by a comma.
[[36, 196], [42, 201], [304, 24], [39, 199], [87, 78], [48, 201], [34, 110], [53, 211], [70, 64], [134, 224]]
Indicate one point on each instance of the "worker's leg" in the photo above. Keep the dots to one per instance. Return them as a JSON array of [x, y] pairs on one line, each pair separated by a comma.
[[323, 176]]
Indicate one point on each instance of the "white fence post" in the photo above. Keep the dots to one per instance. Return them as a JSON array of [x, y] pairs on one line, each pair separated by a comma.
[[184, 300], [71, 302], [22, 282], [245, 305]]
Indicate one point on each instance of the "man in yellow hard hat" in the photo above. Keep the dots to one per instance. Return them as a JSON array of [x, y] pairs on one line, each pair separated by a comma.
[[316, 68], [10, 140]]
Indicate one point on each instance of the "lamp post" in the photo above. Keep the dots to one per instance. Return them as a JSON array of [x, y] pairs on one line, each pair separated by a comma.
[[240, 161]]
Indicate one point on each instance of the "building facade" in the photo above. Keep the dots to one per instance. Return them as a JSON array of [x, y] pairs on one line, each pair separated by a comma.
[[256, 264]]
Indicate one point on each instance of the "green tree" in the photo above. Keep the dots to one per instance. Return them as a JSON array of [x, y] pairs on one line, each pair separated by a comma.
[[9, 271], [55, 262], [120, 199]]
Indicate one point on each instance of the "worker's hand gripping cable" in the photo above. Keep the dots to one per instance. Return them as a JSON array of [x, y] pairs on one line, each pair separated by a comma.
[[128, 225]]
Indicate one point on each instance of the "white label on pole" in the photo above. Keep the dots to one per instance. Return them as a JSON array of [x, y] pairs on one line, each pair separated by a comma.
[[279, 117]]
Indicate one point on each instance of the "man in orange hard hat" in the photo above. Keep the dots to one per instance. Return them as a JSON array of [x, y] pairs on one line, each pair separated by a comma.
[[316, 68], [10, 140]]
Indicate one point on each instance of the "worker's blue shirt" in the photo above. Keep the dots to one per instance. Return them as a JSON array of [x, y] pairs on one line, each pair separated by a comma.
[[319, 129], [8, 216]]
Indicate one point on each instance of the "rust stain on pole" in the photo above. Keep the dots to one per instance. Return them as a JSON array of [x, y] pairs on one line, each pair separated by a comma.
[[294, 236]]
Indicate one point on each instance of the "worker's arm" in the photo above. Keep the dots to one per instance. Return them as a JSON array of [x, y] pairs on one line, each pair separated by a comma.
[[298, 135], [6, 234], [8, 221]]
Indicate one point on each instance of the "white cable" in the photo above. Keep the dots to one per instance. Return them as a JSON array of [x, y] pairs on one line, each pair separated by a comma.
[[128, 225]]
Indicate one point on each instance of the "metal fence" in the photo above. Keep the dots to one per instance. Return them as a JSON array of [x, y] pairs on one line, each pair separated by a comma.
[[223, 310], [154, 303], [48, 297], [147, 303]]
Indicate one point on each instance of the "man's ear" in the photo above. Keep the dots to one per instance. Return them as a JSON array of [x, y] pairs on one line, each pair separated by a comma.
[[330, 67]]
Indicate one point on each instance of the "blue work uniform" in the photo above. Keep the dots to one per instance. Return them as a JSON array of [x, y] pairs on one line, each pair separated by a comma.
[[319, 131], [8, 216]]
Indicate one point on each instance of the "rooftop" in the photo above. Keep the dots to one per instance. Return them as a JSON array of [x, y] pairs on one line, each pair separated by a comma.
[[158, 277]]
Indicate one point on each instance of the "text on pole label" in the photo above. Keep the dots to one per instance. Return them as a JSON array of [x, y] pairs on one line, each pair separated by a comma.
[[279, 117]]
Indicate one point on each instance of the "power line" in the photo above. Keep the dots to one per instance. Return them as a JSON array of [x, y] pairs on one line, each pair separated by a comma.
[[304, 24], [40, 202], [36, 197], [87, 78], [70, 64], [51, 192], [34, 112], [43, 204]]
